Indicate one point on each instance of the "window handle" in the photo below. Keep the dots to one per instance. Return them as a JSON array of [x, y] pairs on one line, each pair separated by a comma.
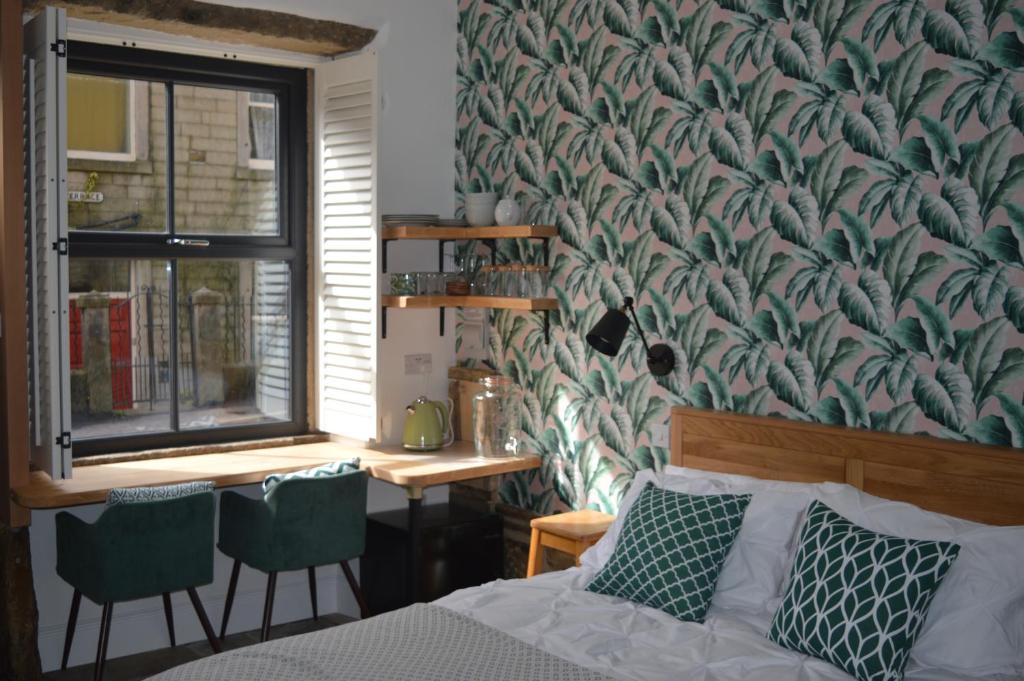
[[197, 243]]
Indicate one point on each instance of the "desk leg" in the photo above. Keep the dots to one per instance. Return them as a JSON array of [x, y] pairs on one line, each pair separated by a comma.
[[415, 528]]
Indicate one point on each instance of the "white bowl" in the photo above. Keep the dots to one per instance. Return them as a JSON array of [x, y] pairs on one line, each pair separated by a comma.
[[480, 216]]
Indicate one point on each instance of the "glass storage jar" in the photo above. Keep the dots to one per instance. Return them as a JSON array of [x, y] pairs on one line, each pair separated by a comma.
[[496, 417]]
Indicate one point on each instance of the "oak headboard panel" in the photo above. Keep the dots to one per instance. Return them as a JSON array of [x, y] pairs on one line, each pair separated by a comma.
[[970, 481]]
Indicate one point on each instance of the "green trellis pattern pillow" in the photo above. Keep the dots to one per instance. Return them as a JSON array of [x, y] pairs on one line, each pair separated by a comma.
[[671, 549], [857, 598]]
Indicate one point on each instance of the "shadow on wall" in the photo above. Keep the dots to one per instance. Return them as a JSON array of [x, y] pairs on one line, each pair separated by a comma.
[[818, 205]]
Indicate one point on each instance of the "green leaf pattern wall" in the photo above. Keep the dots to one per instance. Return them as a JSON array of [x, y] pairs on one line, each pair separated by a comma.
[[817, 203]]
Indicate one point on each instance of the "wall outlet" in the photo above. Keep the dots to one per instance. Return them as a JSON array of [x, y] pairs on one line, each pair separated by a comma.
[[418, 364], [659, 435]]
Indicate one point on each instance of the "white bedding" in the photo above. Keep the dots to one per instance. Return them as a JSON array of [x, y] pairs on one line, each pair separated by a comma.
[[629, 641]]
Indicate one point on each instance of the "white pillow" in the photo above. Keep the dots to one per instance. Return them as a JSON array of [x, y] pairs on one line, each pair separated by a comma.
[[975, 624], [753, 572]]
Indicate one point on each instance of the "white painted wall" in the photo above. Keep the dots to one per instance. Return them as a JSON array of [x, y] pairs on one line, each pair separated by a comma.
[[416, 47]]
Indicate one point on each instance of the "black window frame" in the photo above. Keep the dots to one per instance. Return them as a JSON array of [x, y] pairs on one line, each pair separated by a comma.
[[289, 245]]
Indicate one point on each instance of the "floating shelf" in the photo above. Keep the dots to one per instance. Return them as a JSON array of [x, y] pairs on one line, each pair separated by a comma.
[[497, 302], [463, 233], [488, 236]]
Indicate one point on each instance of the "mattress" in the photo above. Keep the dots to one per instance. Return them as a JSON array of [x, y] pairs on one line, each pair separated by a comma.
[[625, 640]]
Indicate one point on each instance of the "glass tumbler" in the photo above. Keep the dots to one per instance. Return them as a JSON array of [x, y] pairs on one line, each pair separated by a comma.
[[496, 417]]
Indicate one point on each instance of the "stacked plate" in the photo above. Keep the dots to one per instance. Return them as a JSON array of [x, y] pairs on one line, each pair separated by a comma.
[[452, 222], [417, 219]]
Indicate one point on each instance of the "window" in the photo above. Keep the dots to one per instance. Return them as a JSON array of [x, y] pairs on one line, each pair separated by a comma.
[[186, 278], [116, 125], [257, 129]]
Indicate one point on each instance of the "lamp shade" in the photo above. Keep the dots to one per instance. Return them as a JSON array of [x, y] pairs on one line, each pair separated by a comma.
[[607, 335]]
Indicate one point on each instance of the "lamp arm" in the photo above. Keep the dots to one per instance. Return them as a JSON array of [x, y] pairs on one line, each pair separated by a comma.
[[628, 305]]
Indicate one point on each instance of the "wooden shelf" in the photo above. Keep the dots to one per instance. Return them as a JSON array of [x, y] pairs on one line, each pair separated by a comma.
[[497, 302], [457, 233]]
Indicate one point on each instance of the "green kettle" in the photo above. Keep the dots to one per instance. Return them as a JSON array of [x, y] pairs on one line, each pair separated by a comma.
[[428, 425]]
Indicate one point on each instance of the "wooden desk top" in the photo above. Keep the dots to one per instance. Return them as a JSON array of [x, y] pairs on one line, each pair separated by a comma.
[[584, 525], [413, 470]]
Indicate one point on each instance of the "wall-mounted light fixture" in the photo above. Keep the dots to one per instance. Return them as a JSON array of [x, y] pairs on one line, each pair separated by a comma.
[[607, 335]]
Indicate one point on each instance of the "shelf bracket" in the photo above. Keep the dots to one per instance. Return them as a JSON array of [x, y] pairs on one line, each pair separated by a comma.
[[547, 327], [383, 321], [384, 243], [442, 321]]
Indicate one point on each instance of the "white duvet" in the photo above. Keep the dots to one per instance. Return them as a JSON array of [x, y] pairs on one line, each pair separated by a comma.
[[628, 641]]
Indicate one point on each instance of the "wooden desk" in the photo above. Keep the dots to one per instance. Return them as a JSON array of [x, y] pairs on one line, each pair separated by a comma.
[[413, 471]]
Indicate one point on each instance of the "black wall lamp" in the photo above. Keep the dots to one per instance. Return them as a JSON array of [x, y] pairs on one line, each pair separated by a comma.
[[607, 335]]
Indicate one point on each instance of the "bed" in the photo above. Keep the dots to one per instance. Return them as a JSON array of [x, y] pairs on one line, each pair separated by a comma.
[[550, 627]]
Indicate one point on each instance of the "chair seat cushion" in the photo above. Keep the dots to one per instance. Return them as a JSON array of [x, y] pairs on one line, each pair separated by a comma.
[[333, 468], [136, 495]]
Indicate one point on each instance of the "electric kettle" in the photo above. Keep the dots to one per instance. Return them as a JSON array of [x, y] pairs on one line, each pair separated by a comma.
[[428, 425]]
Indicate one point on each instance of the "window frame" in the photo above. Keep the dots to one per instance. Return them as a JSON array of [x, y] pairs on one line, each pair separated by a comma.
[[291, 175]]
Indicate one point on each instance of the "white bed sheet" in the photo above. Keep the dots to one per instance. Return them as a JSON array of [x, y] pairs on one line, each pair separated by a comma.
[[624, 640]]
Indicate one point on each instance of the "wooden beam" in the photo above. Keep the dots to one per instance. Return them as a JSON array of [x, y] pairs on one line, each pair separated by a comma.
[[14, 436], [221, 23]]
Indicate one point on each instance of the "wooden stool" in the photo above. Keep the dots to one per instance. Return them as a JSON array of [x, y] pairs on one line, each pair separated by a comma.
[[571, 533]]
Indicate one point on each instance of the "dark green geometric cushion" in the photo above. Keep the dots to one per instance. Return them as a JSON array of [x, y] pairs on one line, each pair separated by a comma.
[[138, 495], [857, 598], [671, 549]]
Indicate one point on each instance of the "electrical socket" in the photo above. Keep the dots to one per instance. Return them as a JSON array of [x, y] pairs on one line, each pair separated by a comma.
[[418, 364], [659, 435]]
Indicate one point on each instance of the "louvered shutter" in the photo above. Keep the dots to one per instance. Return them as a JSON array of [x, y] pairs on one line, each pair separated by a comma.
[[46, 240], [346, 246]]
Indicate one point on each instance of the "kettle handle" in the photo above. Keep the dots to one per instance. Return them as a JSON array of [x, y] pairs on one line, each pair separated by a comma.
[[446, 421]]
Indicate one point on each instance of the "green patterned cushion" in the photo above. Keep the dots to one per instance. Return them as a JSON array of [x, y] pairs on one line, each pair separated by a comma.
[[135, 495], [670, 550], [857, 598], [333, 468]]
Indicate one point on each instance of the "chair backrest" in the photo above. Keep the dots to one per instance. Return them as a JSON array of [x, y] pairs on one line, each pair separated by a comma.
[[319, 520], [151, 547]]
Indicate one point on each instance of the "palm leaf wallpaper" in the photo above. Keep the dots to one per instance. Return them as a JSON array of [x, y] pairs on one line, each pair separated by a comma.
[[816, 203]]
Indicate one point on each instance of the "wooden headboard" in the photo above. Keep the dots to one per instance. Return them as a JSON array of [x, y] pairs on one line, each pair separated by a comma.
[[970, 481]]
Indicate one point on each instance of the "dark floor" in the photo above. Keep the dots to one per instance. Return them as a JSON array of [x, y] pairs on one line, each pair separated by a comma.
[[143, 665]]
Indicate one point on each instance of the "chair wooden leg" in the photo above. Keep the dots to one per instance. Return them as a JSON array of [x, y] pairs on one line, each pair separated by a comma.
[[101, 647], [312, 590], [203, 619], [169, 614], [268, 606], [69, 635], [364, 612], [533, 563], [231, 597]]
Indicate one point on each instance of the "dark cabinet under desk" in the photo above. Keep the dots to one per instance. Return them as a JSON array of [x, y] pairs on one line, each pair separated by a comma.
[[460, 547]]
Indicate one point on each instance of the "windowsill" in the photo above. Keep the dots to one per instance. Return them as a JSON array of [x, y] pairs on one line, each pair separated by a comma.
[[170, 452], [249, 173], [136, 167]]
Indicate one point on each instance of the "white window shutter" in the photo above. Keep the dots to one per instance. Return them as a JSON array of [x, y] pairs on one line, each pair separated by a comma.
[[347, 242], [46, 240]]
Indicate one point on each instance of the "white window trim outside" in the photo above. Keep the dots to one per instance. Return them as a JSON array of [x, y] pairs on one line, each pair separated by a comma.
[[245, 159], [138, 131]]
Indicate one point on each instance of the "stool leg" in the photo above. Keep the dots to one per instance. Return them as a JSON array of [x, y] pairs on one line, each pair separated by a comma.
[[312, 590], [169, 614], [231, 597], [101, 647], [268, 606], [203, 619], [364, 611], [536, 553], [69, 635]]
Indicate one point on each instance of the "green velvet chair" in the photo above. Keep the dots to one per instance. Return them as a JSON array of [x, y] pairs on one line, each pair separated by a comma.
[[148, 542], [300, 523]]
